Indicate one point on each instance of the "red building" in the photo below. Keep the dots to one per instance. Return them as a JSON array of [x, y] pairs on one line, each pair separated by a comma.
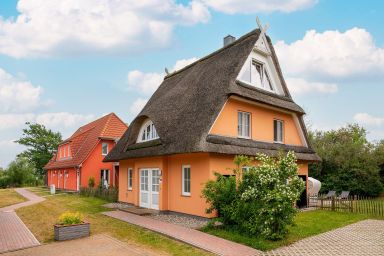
[[80, 156]]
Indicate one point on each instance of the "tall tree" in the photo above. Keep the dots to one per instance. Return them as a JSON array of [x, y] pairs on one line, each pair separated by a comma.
[[348, 162], [41, 144], [20, 172]]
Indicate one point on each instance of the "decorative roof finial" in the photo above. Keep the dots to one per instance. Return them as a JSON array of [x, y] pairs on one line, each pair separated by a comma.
[[262, 29], [166, 71]]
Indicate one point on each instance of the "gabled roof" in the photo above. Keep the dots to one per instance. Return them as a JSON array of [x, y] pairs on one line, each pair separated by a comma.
[[188, 101], [85, 139]]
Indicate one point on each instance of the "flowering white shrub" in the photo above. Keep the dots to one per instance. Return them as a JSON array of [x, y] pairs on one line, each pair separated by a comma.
[[263, 201]]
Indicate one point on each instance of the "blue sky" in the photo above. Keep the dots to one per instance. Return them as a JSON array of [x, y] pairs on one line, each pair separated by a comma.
[[63, 63]]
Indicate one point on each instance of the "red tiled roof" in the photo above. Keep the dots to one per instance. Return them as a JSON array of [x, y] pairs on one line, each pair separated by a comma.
[[83, 141]]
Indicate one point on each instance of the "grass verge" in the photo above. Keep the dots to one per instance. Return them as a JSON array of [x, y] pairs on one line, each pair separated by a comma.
[[306, 224], [9, 196], [41, 217]]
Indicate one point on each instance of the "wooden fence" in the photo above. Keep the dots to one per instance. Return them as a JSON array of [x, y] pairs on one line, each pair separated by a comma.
[[356, 204]]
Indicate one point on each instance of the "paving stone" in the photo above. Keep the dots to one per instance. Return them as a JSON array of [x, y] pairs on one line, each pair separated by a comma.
[[190, 236], [362, 238], [14, 234], [98, 245]]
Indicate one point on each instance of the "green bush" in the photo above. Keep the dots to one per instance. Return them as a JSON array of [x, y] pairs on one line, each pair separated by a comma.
[[20, 172], [91, 182], [261, 201], [349, 161], [220, 196], [70, 218]]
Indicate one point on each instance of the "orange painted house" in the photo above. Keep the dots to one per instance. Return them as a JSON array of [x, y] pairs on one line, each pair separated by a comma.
[[233, 101], [81, 156]]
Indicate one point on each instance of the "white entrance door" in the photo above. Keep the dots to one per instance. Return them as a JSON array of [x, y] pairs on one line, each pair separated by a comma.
[[149, 188]]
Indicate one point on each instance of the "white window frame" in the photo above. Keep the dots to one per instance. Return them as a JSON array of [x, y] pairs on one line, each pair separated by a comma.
[[148, 136], [130, 178], [243, 129], [183, 192], [268, 65], [102, 148], [245, 168], [275, 121]]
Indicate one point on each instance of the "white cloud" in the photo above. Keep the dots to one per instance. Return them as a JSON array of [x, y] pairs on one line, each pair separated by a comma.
[[332, 55], [368, 120], [63, 119], [46, 28], [246, 6], [183, 63], [299, 86], [8, 150], [59, 121], [16, 94], [137, 106], [147, 83]]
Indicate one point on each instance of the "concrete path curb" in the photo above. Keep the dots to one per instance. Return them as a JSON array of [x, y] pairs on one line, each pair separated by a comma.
[[190, 236]]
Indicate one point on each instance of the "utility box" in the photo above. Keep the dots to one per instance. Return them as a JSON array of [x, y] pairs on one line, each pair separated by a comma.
[[53, 189]]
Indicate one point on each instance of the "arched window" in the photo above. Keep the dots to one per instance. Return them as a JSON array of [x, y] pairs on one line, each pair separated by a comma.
[[147, 132]]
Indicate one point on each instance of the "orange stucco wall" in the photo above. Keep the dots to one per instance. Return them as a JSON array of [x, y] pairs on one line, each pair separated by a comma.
[[90, 168], [62, 178], [261, 122], [203, 166], [94, 164]]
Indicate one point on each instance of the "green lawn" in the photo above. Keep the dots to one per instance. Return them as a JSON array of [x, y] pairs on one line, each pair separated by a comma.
[[10, 196], [307, 224], [41, 217], [42, 191]]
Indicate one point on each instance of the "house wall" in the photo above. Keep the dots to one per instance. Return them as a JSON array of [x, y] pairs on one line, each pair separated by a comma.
[[64, 152], [203, 166], [92, 166], [61, 180], [261, 122]]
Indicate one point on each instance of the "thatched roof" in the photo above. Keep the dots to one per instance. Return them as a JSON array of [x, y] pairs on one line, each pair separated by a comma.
[[188, 101]]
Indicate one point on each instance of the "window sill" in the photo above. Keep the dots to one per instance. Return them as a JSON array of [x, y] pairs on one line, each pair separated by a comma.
[[186, 195], [279, 142], [246, 138], [130, 189]]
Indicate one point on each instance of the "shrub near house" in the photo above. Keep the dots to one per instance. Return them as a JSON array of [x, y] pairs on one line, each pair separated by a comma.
[[261, 201]]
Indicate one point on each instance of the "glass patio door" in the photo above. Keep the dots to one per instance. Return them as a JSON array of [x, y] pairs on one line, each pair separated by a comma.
[[149, 188]]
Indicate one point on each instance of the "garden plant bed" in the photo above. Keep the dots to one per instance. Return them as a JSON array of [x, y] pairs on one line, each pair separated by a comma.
[[68, 232]]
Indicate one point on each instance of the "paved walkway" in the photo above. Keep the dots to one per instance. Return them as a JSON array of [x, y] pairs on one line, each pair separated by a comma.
[[190, 236], [98, 245], [14, 235], [362, 238], [31, 197]]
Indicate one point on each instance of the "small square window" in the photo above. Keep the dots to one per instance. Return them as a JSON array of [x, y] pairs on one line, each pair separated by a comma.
[[278, 131], [104, 149]]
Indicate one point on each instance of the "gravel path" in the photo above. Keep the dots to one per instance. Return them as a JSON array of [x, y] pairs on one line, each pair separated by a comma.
[[185, 221]]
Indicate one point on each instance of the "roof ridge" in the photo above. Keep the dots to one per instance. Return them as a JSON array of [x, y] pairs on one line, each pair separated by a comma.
[[240, 39]]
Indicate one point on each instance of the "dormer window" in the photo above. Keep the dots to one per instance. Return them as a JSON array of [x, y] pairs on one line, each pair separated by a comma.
[[148, 132], [257, 75]]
